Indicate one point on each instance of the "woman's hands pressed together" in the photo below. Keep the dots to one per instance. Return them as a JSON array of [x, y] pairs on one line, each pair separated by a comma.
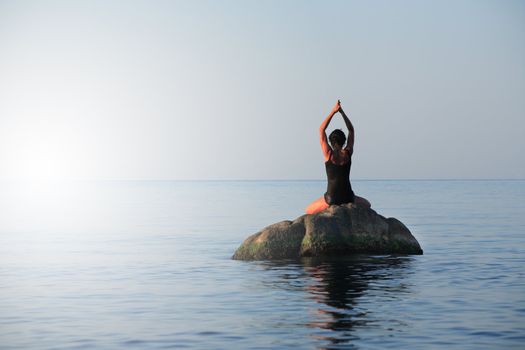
[[337, 107]]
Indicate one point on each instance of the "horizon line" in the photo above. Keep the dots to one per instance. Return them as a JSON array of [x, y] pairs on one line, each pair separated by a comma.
[[250, 180]]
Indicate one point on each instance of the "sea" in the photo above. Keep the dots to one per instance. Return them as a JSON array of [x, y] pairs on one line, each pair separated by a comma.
[[147, 265]]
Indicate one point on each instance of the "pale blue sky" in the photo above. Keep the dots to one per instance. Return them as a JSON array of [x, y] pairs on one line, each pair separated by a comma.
[[237, 89]]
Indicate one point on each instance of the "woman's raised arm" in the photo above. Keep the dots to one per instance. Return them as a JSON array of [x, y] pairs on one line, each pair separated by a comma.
[[322, 131], [350, 127]]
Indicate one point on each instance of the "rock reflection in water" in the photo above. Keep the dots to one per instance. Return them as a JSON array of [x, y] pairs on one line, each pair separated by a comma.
[[344, 288]]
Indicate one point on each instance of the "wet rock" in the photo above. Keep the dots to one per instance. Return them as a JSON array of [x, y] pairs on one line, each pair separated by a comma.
[[339, 230]]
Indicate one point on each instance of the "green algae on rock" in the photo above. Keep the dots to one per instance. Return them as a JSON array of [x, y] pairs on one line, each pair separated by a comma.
[[338, 230]]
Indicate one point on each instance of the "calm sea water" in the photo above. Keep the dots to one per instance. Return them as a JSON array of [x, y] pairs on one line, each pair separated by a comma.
[[147, 265]]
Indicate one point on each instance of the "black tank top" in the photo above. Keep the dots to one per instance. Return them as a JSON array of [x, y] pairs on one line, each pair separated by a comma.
[[339, 189]]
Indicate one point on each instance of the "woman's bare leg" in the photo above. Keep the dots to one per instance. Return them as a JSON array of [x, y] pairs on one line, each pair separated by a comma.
[[316, 206], [362, 202]]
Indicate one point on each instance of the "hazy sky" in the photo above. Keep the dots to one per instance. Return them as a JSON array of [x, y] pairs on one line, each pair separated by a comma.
[[237, 89]]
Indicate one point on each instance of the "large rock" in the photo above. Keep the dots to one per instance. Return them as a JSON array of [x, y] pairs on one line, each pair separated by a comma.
[[339, 230]]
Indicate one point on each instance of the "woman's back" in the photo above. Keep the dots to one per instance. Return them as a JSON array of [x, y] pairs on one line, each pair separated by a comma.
[[339, 189]]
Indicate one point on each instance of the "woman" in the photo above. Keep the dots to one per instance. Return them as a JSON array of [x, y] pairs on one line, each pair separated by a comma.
[[338, 160]]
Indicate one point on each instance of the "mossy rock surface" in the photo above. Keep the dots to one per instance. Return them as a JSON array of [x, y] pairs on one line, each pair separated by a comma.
[[339, 230]]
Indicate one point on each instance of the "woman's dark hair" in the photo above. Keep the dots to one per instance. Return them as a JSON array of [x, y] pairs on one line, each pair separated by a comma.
[[337, 137]]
